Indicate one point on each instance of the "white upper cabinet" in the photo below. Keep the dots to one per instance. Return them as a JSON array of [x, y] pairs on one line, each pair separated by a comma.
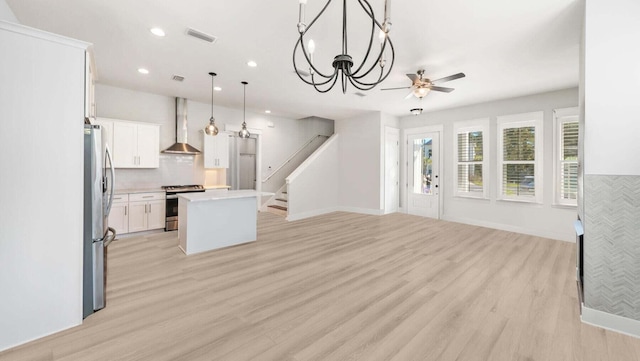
[[90, 85], [107, 130], [148, 138], [135, 145], [216, 151]]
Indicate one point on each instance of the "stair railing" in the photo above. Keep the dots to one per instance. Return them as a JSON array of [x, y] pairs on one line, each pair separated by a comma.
[[294, 155]]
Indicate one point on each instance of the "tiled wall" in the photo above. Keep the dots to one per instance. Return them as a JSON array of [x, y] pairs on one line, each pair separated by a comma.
[[612, 244], [173, 170]]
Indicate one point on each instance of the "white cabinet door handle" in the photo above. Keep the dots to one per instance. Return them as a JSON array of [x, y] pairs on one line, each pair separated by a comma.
[[125, 210]]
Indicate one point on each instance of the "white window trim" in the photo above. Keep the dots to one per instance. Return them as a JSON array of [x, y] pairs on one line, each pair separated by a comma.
[[561, 116], [472, 126], [534, 119]]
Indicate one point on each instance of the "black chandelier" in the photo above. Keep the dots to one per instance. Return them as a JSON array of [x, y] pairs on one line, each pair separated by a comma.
[[343, 64]]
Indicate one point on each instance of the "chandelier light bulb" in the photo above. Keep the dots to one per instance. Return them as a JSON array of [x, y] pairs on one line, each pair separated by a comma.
[[312, 46]]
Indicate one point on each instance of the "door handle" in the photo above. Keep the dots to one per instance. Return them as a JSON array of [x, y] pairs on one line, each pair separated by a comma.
[[125, 210]]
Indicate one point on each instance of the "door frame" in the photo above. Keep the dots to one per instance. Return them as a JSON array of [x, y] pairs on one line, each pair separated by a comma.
[[258, 133], [396, 132], [413, 131]]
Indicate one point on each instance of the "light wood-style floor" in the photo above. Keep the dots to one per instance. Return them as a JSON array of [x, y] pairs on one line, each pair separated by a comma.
[[341, 287]]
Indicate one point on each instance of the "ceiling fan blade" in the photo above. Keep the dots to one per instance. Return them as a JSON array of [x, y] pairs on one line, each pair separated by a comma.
[[409, 95], [413, 77], [404, 87], [441, 89], [449, 78]]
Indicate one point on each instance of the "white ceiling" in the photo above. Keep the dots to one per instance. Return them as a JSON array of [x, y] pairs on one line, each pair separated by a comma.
[[506, 48]]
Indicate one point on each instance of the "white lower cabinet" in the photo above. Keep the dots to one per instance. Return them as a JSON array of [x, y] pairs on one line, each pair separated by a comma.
[[143, 212], [119, 215]]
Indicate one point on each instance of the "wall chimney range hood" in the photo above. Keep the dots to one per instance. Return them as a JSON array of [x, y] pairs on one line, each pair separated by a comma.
[[181, 146]]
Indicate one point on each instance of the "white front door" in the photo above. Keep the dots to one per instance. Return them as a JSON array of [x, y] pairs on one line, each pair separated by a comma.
[[391, 170], [423, 174]]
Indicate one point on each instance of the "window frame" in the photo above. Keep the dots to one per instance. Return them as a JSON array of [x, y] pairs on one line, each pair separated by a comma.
[[536, 120], [467, 126], [560, 117]]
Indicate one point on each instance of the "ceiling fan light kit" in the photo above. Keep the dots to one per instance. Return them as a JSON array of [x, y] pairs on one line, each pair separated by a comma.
[[421, 86], [343, 64]]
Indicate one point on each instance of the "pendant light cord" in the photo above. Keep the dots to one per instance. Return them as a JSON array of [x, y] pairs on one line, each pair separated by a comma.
[[212, 88], [244, 104]]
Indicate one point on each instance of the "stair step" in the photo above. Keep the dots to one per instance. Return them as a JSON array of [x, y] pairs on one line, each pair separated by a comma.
[[281, 200], [278, 207]]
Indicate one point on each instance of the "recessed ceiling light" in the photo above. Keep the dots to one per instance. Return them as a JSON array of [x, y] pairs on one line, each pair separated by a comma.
[[268, 111], [157, 32], [143, 71], [252, 63], [217, 88]]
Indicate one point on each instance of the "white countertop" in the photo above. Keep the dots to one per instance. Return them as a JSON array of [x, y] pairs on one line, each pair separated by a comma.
[[138, 190], [212, 196], [217, 187]]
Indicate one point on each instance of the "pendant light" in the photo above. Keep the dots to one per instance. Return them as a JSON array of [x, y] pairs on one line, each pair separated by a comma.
[[211, 128], [244, 133]]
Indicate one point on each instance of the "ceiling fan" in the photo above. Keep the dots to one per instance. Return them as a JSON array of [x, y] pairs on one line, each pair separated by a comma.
[[421, 86]]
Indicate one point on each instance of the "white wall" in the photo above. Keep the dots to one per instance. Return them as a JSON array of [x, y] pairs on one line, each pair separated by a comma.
[[41, 206], [538, 219], [360, 163], [6, 13], [278, 142], [314, 187], [612, 88]]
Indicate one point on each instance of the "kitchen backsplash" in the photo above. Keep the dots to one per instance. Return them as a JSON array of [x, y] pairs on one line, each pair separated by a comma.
[[173, 170]]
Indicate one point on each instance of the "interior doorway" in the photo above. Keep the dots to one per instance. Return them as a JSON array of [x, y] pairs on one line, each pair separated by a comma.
[[423, 174], [242, 173]]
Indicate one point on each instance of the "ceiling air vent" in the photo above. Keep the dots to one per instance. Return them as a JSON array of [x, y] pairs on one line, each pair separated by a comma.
[[202, 36], [178, 78], [360, 94]]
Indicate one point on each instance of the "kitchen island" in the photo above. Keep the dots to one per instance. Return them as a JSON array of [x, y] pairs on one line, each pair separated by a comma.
[[213, 220]]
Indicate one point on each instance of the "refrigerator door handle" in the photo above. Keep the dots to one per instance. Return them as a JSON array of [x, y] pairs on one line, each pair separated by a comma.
[[113, 178], [110, 238]]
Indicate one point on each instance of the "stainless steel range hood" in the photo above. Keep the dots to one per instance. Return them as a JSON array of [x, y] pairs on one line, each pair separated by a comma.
[[181, 146]]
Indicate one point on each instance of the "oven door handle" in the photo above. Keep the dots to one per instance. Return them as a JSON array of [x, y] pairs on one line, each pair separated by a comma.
[[172, 196]]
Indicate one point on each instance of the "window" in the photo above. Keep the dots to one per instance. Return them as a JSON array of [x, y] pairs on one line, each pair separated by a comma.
[[471, 149], [520, 157], [566, 156]]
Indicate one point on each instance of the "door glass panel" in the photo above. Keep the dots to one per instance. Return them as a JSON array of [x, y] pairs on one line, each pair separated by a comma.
[[422, 166]]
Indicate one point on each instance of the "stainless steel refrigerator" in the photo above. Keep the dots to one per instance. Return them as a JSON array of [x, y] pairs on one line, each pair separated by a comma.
[[99, 178]]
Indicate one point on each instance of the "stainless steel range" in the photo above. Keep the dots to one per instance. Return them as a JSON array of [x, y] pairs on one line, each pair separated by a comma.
[[172, 203]]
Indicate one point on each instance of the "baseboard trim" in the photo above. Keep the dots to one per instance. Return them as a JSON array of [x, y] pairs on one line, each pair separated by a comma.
[[318, 212], [510, 228], [313, 213], [611, 322], [373, 212]]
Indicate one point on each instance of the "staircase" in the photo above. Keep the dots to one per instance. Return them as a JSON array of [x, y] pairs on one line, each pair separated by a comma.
[[278, 203]]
